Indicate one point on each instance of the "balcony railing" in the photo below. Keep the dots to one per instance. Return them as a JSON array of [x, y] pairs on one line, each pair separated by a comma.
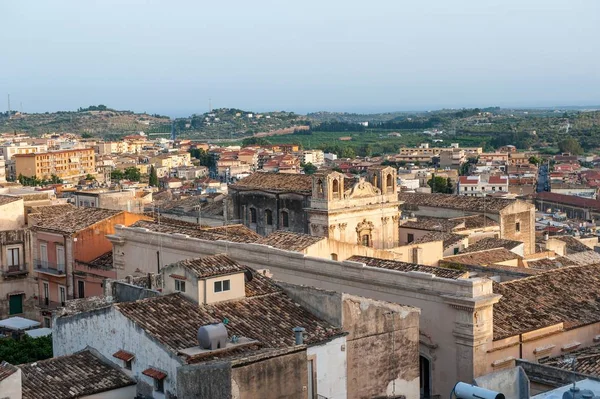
[[15, 270], [44, 266], [46, 303]]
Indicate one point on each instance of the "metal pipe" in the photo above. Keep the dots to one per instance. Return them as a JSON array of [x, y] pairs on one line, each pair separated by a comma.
[[298, 335]]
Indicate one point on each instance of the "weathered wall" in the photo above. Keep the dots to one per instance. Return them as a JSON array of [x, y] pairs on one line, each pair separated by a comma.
[[327, 305], [294, 204], [278, 377], [205, 381], [383, 348], [108, 331], [526, 233], [330, 368], [10, 387], [12, 216], [20, 283]]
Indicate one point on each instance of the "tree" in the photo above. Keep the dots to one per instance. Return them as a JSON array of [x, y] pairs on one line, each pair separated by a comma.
[[26, 349], [535, 160], [570, 145], [86, 136], [439, 184], [89, 177], [203, 156], [116, 174], [153, 182], [132, 173], [308, 168], [348, 152]]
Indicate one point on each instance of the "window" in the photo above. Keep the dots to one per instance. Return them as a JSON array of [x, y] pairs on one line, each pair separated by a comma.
[[80, 289], [62, 295], [60, 258], [46, 291], [285, 219], [269, 217], [15, 304], [389, 183], [179, 285], [456, 251], [365, 239], [410, 237], [465, 189], [159, 385], [12, 256], [128, 364], [47, 322], [336, 189], [518, 227], [222, 285], [252, 215]]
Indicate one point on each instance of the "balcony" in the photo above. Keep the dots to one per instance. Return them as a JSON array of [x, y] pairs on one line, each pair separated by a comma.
[[47, 304], [44, 266], [15, 271]]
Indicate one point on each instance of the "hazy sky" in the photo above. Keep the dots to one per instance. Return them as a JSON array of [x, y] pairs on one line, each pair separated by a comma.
[[172, 56]]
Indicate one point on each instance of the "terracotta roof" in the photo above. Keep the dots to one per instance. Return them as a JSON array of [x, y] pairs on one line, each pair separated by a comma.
[[74, 220], [451, 201], [587, 361], [154, 373], [476, 222], [7, 199], [210, 266], [173, 320], [6, 370], [448, 238], [275, 182], [491, 243], [430, 223], [571, 200], [71, 376], [125, 356], [233, 233], [104, 260], [565, 295], [584, 258], [573, 244], [407, 267], [549, 264], [483, 258], [289, 241]]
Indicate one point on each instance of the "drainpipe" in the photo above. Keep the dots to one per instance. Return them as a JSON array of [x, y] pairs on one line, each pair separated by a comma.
[[158, 261], [67, 269], [298, 335], [520, 346]]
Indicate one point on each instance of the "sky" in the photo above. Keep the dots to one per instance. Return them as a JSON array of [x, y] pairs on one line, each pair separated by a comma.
[[172, 56]]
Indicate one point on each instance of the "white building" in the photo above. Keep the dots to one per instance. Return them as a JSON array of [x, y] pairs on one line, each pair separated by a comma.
[[478, 186]]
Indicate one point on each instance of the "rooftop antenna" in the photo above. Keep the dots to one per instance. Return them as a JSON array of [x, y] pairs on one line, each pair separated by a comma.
[[209, 105], [9, 106]]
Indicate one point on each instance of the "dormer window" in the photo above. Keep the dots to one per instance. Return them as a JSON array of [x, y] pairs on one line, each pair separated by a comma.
[[223, 285]]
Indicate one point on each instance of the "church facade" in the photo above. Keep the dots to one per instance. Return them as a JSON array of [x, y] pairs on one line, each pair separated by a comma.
[[362, 211]]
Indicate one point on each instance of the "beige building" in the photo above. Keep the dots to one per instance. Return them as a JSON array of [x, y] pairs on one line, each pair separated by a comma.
[[65, 164], [364, 213], [10, 150], [516, 219]]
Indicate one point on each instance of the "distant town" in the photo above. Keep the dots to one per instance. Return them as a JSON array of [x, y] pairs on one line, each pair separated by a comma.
[[333, 256]]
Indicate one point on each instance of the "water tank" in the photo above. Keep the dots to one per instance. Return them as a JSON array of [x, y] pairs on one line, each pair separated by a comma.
[[576, 393], [212, 336]]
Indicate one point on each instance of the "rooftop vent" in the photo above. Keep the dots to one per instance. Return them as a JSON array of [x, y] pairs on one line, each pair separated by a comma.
[[212, 336]]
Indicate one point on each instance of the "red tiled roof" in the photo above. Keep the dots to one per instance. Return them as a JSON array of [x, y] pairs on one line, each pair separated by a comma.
[[125, 356], [498, 180], [571, 200], [154, 373]]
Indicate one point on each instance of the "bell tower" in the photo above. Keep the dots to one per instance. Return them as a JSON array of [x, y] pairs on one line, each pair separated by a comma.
[[384, 178]]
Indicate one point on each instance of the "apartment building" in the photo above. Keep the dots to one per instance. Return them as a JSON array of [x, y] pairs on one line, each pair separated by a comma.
[[315, 157], [9, 150], [65, 164], [452, 158], [424, 149], [479, 186]]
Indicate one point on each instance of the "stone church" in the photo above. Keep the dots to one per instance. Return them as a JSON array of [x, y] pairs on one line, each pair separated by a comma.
[[361, 211]]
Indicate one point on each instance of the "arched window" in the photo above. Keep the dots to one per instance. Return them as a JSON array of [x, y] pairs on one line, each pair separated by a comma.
[[375, 181], [285, 219], [252, 215], [320, 188], [389, 183], [269, 217], [333, 256], [336, 189]]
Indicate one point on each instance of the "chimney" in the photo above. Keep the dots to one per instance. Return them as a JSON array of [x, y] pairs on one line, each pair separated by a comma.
[[298, 335], [546, 236]]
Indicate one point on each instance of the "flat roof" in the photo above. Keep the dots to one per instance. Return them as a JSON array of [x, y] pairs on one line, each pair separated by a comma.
[[18, 323], [39, 332]]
